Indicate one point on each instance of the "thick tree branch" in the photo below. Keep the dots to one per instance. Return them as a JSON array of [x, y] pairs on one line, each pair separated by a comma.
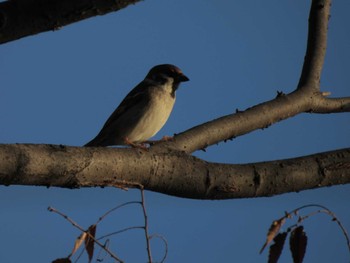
[[72, 167], [233, 125], [306, 98], [258, 117], [20, 18]]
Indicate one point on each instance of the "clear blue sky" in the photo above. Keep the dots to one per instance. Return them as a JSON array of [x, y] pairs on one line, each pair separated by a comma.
[[59, 88]]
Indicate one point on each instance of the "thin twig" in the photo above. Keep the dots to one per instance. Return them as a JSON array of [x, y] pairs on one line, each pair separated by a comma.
[[51, 209], [115, 208], [121, 231], [165, 243], [98, 259], [146, 225], [326, 211]]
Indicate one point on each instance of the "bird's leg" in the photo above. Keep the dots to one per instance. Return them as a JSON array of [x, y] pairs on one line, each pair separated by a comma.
[[167, 138], [164, 139], [135, 145]]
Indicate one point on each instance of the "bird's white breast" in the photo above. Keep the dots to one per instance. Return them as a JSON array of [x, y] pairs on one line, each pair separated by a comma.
[[156, 114]]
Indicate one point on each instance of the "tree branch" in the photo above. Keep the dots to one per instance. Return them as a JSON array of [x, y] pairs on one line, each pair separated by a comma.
[[331, 105], [316, 45], [260, 116], [74, 167], [21, 18], [306, 98]]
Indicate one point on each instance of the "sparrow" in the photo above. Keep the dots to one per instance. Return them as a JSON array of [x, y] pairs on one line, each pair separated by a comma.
[[144, 110]]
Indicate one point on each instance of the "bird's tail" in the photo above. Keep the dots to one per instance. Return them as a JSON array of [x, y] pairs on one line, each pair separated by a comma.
[[89, 144], [93, 143]]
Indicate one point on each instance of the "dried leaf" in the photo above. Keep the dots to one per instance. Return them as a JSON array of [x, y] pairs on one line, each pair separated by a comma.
[[89, 242], [297, 243], [273, 231], [62, 260], [78, 242], [277, 247]]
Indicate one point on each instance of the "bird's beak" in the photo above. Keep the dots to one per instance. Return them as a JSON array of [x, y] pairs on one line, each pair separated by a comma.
[[183, 78]]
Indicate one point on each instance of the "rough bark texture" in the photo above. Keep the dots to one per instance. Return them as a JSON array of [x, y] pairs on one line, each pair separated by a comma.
[[175, 173], [20, 18], [258, 117], [169, 168]]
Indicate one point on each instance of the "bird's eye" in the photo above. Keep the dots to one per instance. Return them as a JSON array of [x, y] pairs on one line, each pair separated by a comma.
[[159, 78]]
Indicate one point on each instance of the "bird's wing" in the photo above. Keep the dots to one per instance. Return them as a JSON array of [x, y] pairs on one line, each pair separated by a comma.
[[136, 96]]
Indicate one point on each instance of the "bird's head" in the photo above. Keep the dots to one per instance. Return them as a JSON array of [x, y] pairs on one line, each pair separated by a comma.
[[167, 73]]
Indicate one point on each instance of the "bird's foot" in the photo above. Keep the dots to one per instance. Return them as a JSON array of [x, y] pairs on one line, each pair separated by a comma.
[[142, 146], [167, 139]]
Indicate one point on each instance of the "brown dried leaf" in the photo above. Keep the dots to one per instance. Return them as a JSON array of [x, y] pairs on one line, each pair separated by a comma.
[[277, 247], [89, 242], [78, 243], [62, 260], [273, 231], [297, 244]]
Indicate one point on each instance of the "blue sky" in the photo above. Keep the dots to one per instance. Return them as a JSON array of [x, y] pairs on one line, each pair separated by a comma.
[[60, 87]]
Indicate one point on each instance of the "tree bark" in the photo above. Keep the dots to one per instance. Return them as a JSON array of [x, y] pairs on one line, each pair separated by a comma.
[[21, 18], [173, 173]]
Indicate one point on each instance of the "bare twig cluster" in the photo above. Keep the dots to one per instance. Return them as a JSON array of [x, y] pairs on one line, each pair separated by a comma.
[[88, 236]]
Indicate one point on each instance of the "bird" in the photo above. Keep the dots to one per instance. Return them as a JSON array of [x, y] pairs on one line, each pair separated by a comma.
[[144, 110]]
